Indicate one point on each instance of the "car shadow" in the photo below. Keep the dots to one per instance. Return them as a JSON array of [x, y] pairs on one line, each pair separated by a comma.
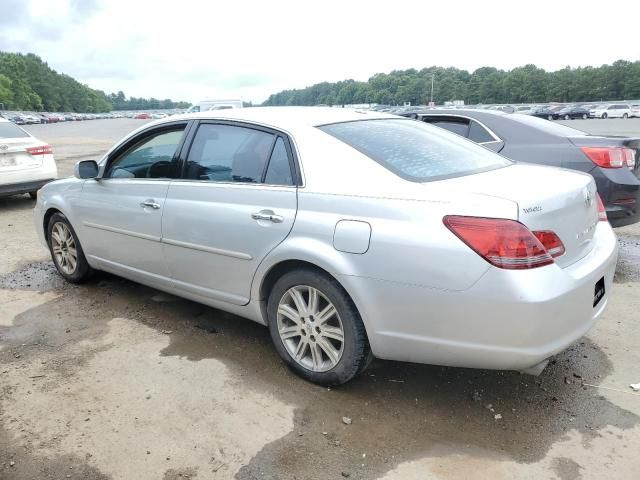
[[399, 412]]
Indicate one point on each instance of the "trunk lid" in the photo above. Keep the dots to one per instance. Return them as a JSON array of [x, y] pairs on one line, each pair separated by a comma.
[[563, 201], [14, 155]]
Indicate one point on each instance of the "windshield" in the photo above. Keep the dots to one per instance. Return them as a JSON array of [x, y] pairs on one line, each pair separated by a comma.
[[415, 150], [9, 130]]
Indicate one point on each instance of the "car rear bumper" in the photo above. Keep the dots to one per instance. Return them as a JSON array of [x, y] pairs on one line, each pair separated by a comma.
[[508, 320], [26, 180], [24, 187], [620, 193]]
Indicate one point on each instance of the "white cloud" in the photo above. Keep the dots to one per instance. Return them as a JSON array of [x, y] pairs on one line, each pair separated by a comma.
[[249, 49]]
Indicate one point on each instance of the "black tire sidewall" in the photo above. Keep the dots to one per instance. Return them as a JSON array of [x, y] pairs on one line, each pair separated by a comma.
[[83, 270], [356, 351]]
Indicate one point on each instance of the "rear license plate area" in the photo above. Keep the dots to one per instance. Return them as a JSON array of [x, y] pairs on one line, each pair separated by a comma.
[[598, 293], [7, 160]]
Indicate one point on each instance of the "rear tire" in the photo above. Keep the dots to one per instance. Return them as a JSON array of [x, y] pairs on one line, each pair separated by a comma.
[[66, 251], [625, 115], [604, 115], [326, 349]]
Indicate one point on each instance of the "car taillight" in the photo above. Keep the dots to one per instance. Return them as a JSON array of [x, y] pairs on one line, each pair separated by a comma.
[[611, 157], [41, 150], [501, 242], [551, 242], [602, 212]]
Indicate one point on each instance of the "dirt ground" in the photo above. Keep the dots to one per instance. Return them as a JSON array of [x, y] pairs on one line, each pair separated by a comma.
[[113, 380]]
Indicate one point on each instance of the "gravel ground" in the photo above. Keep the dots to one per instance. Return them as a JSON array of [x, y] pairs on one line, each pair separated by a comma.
[[113, 380]]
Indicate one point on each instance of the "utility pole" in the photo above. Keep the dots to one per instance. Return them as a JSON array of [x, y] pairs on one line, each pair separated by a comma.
[[431, 100]]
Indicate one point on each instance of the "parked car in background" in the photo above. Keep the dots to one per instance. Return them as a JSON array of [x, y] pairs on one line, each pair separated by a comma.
[[425, 248], [572, 112], [635, 111], [614, 162], [26, 163], [543, 112], [142, 116], [614, 110]]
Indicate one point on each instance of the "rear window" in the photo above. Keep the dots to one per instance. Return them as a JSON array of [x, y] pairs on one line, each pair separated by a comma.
[[551, 128], [9, 130], [415, 150]]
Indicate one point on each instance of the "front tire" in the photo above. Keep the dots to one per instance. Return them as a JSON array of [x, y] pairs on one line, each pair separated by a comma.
[[604, 115], [316, 328], [66, 251]]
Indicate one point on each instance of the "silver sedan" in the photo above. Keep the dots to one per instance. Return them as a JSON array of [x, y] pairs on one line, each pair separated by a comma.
[[350, 234]]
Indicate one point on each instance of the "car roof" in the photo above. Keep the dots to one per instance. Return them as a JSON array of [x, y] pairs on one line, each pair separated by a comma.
[[288, 117]]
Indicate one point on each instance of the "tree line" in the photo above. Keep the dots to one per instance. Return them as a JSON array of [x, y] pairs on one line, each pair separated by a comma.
[[120, 102], [28, 83], [486, 85]]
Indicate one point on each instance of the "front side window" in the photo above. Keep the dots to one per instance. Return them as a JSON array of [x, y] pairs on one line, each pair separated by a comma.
[[414, 150], [228, 153], [151, 157]]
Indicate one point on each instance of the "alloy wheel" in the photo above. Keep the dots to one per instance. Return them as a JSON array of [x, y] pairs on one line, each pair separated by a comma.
[[310, 328], [64, 248]]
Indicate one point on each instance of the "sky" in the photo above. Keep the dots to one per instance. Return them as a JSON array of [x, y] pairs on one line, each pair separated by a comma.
[[195, 49]]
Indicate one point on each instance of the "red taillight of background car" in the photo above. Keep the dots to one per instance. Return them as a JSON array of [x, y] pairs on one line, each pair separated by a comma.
[[503, 243], [41, 150], [611, 157], [602, 212]]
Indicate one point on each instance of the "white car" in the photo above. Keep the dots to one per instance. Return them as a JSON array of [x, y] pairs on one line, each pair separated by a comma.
[[350, 234], [26, 163], [614, 110], [635, 111]]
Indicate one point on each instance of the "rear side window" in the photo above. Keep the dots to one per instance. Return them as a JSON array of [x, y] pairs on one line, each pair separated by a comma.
[[227, 153], [479, 134], [279, 169], [459, 127], [9, 130], [415, 150]]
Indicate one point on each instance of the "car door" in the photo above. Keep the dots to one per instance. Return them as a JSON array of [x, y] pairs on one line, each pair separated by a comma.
[[121, 211], [235, 202]]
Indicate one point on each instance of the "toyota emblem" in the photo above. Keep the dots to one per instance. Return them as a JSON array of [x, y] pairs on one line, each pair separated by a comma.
[[588, 198]]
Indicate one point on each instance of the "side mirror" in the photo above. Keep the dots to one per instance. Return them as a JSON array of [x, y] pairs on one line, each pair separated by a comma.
[[86, 169]]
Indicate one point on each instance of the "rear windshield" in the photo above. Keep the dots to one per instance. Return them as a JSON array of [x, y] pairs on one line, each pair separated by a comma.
[[415, 150], [9, 130], [552, 128]]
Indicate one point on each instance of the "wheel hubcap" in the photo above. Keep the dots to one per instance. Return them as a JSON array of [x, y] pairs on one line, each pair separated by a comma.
[[310, 328], [64, 248]]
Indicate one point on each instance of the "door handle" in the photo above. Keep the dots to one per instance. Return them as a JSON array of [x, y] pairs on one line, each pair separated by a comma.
[[150, 203], [267, 215]]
